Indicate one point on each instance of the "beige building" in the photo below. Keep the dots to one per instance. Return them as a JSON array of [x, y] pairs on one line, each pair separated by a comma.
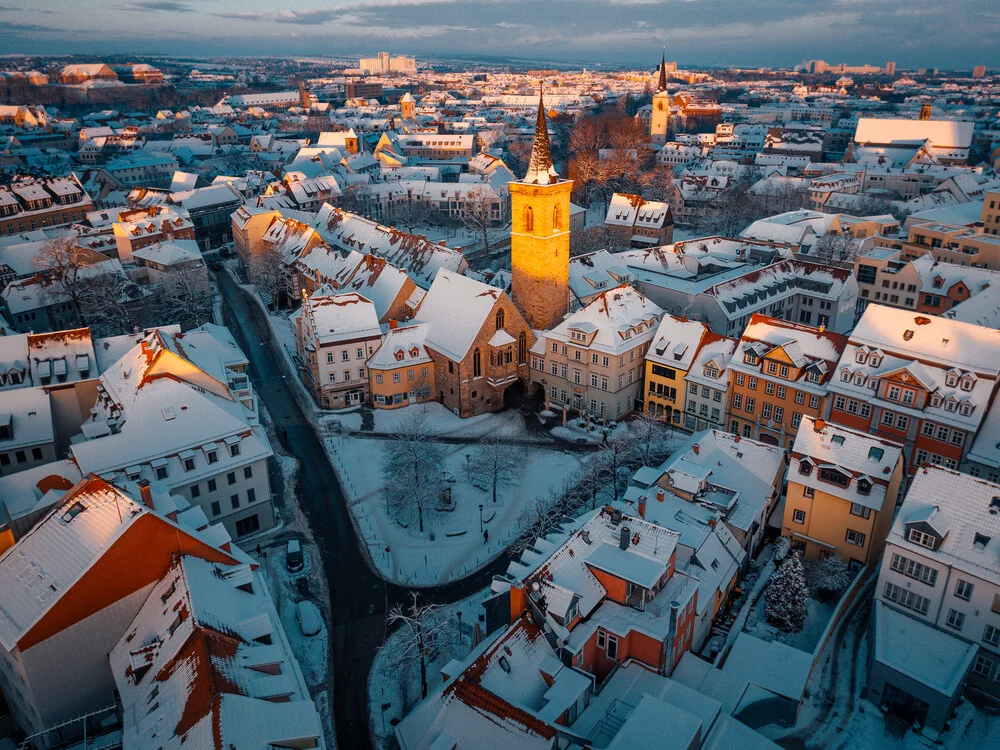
[[991, 213], [593, 362], [401, 372], [842, 490], [951, 243], [335, 334]]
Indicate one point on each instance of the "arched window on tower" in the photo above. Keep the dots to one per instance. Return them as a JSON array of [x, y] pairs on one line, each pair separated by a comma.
[[477, 363], [529, 219], [522, 349], [556, 219], [501, 319]]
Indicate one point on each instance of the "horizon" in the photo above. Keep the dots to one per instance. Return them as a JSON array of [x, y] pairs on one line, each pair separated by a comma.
[[631, 33]]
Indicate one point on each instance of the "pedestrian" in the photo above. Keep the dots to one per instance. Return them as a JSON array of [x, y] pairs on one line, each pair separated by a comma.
[[258, 550], [486, 536]]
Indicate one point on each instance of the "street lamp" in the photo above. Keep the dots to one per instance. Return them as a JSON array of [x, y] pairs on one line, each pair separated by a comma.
[[459, 613], [480, 518]]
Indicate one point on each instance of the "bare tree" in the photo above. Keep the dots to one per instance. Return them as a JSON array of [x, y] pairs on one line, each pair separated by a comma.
[[652, 439], [61, 261], [355, 198], [410, 214], [538, 518], [113, 304], [479, 214], [518, 155], [731, 212], [411, 469], [186, 297], [613, 462], [836, 250], [423, 628], [496, 463], [267, 271], [601, 237]]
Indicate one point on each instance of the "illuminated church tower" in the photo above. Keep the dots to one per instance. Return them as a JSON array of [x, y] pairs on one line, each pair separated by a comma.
[[539, 242], [659, 118]]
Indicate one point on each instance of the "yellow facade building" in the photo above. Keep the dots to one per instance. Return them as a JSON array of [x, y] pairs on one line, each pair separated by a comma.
[[674, 347], [842, 490]]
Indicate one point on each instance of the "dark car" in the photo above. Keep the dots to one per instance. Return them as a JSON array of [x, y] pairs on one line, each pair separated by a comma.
[[293, 556]]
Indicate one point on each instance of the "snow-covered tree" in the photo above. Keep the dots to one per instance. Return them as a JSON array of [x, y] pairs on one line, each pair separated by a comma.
[[786, 595], [412, 469], [614, 463], [423, 628], [652, 439], [496, 463], [267, 271], [781, 548], [832, 577], [538, 518]]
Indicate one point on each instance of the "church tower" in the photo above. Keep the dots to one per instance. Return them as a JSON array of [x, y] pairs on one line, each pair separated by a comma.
[[659, 118], [539, 241], [408, 106], [305, 98]]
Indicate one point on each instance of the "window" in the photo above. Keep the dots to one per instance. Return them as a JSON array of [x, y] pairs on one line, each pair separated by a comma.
[[216, 509], [814, 402], [902, 421], [800, 397], [907, 599], [963, 590], [234, 500], [782, 391], [737, 401], [360, 353], [477, 363], [378, 377], [923, 539], [839, 403], [750, 403], [247, 525], [501, 319], [833, 477], [211, 485], [188, 464], [913, 569], [854, 537], [161, 472], [769, 388], [234, 449], [983, 666], [752, 384], [955, 619], [231, 477], [251, 495], [783, 371], [796, 419], [779, 414], [612, 647], [195, 491], [991, 635], [857, 509], [799, 516], [740, 378], [347, 375], [329, 358], [345, 355]]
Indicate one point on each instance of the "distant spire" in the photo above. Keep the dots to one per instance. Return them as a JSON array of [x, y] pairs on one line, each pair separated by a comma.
[[662, 85], [540, 168]]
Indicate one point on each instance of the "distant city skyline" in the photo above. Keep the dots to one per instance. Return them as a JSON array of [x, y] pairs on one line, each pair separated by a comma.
[[779, 33]]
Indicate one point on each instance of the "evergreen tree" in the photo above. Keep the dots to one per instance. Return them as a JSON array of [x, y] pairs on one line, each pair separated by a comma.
[[785, 598]]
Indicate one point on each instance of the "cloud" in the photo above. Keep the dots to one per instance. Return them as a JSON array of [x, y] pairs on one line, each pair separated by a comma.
[[155, 6]]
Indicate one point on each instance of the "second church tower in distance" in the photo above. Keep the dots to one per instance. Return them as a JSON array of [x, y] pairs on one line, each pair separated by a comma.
[[539, 242]]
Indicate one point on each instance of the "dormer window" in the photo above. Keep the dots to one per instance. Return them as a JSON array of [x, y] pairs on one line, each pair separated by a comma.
[[846, 376], [966, 409], [805, 468], [979, 541], [966, 383], [711, 372], [833, 477], [950, 404], [936, 400], [750, 358], [813, 377], [951, 379], [860, 357], [864, 487], [399, 356], [859, 379], [923, 538], [875, 360]]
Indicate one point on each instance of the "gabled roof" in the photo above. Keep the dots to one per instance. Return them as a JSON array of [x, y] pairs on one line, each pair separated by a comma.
[[455, 309]]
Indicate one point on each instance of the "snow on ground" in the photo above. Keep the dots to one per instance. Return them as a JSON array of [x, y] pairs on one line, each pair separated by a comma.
[[852, 723], [397, 683], [818, 617], [577, 430], [440, 421], [458, 547], [287, 589]]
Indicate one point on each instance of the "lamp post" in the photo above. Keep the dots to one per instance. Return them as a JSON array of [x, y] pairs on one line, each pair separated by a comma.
[[480, 518], [459, 613]]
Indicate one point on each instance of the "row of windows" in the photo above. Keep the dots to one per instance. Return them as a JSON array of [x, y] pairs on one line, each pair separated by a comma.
[[345, 355], [410, 375], [851, 406], [913, 569], [188, 464], [942, 434], [924, 457], [347, 376], [906, 599], [21, 457]]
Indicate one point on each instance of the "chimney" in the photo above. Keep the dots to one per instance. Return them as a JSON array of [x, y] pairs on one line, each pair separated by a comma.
[[819, 425], [393, 324], [696, 448], [623, 541], [642, 506], [145, 493], [711, 523], [659, 496]]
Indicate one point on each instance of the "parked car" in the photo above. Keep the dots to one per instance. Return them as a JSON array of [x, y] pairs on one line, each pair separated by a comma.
[[293, 556], [310, 620]]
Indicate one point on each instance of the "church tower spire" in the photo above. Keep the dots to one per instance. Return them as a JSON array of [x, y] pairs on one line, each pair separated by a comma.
[[662, 85], [541, 171], [539, 239], [659, 118]]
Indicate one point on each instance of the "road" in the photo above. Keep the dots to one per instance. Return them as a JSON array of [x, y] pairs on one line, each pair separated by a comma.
[[359, 597]]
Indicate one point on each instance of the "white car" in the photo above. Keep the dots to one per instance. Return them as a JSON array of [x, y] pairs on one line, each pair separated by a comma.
[[310, 620]]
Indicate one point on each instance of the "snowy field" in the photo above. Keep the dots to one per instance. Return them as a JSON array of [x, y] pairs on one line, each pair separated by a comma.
[[394, 683], [458, 547]]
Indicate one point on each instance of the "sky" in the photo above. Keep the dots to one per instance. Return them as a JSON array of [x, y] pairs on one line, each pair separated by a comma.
[[913, 33]]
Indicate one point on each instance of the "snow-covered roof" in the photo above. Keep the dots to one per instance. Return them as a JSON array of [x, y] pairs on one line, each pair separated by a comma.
[[614, 321], [336, 318], [957, 506], [859, 456], [206, 643], [170, 253], [920, 651], [941, 133], [455, 309], [774, 666], [676, 342]]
